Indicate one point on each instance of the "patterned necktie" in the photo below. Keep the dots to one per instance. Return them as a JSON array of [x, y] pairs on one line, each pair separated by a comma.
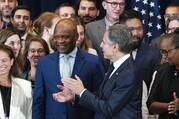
[[66, 67]]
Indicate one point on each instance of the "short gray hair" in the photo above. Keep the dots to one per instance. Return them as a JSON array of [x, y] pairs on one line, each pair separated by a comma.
[[121, 35]]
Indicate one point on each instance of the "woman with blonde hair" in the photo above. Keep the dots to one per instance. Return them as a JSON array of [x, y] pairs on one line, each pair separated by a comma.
[[44, 27]]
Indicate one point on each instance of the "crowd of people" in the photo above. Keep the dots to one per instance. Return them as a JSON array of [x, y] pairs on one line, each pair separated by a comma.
[[67, 64]]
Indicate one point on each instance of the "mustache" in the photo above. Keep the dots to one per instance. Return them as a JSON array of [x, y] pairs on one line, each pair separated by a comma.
[[135, 44], [88, 18]]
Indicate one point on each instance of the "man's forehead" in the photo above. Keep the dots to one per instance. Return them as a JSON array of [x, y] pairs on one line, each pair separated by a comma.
[[22, 11]]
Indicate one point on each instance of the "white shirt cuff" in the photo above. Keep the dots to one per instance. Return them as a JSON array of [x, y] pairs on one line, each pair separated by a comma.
[[82, 92]]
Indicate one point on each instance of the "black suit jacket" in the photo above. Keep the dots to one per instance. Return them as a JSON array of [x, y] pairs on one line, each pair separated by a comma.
[[119, 97]]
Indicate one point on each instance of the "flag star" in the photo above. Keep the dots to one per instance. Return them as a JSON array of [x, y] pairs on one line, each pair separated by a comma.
[[150, 24], [145, 2], [152, 4], [136, 8], [159, 17], [151, 14], [159, 26], [143, 21], [137, 0], [143, 11], [149, 34]]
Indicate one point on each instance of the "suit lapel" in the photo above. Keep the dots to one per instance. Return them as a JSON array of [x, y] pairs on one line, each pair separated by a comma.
[[113, 77], [14, 104], [101, 30], [140, 53], [55, 67], [1, 108], [79, 62]]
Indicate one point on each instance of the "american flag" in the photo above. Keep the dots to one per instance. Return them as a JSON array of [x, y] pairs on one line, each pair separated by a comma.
[[152, 19]]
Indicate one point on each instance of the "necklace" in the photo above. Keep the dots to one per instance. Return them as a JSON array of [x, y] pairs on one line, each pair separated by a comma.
[[6, 97]]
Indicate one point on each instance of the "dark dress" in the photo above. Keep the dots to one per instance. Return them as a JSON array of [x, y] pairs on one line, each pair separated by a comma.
[[166, 82]]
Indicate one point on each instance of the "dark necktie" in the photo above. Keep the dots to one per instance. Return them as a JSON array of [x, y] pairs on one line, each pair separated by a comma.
[[108, 73], [110, 69]]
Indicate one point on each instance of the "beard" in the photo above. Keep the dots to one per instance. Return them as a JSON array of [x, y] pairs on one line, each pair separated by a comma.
[[88, 19], [19, 32], [134, 44]]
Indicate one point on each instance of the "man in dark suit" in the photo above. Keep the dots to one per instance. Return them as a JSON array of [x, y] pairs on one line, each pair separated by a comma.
[[6, 7], [145, 57], [119, 96], [52, 69]]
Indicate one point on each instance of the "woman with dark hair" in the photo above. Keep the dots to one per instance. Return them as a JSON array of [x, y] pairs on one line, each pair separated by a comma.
[[15, 93], [12, 39], [82, 42], [164, 96], [35, 48]]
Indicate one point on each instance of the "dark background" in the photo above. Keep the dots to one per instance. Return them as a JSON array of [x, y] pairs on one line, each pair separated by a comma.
[[39, 6]]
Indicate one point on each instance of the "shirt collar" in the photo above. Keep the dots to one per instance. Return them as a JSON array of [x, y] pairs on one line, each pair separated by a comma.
[[71, 54], [120, 61], [108, 23]]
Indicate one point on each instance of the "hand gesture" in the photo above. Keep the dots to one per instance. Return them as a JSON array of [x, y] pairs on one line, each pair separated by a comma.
[[74, 85], [64, 96], [173, 105]]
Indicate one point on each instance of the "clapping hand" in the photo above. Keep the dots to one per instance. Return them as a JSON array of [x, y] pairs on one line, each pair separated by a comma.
[[64, 96], [74, 85], [173, 105]]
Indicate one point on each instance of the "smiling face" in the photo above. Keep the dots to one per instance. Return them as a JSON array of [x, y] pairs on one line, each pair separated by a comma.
[[114, 8], [36, 50], [169, 51], [21, 20], [88, 11], [5, 63], [6, 6], [66, 35], [15, 43], [81, 33]]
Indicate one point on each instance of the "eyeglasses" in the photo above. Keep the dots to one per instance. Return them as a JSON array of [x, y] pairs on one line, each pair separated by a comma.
[[39, 50], [171, 16], [135, 28], [115, 4], [166, 52]]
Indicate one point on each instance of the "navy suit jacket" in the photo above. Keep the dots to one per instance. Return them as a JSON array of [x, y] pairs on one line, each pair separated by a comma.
[[147, 61], [48, 76], [119, 97]]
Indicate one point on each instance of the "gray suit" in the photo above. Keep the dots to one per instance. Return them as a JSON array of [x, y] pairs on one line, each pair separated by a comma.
[[94, 33]]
